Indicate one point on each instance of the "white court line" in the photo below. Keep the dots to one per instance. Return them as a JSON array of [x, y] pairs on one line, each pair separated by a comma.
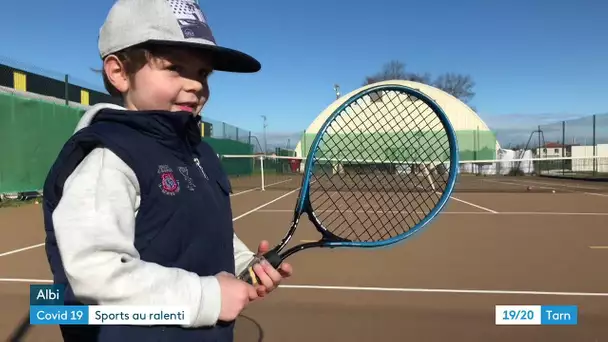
[[243, 192], [549, 213], [397, 289], [469, 203], [234, 219], [21, 249], [517, 184], [394, 289], [264, 205], [557, 184], [31, 281], [474, 205], [250, 190], [595, 194], [579, 189]]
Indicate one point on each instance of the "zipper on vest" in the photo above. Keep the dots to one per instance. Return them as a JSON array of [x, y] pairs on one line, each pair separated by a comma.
[[200, 167]]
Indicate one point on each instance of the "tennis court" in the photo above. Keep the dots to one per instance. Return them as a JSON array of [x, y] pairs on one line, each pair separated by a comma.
[[506, 244]]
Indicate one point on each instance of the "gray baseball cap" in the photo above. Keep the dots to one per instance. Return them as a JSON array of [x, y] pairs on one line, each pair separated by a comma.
[[168, 22]]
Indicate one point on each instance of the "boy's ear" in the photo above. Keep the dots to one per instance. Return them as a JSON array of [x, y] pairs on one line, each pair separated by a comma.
[[116, 73]]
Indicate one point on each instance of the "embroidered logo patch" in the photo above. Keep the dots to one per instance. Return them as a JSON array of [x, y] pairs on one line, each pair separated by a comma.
[[168, 184], [184, 171]]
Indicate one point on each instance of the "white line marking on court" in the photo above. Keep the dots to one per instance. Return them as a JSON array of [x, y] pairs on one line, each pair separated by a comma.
[[595, 194], [560, 185], [331, 211], [553, 213], [17, 280], [243, 192], [264, 205], [21, 249], [469, 203], [393, 289], [474, 205], [549, 213], [234, 219], [579, 188], [250, 190], [518, 184]]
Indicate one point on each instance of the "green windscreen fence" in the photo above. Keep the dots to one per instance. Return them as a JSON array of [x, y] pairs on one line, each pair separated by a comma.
[[476, 144], [235, 166], [32, 132]]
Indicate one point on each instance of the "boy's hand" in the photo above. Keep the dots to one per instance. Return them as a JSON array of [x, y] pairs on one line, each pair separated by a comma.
[[269, 276], [236, 294]]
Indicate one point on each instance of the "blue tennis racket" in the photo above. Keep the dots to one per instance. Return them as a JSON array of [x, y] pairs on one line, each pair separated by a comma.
[[379, 170]]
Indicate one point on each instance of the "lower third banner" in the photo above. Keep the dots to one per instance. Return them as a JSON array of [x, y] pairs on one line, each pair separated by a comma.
[[108, 315]]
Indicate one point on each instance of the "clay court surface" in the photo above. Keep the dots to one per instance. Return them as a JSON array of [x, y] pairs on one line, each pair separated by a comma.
[[484, 249]]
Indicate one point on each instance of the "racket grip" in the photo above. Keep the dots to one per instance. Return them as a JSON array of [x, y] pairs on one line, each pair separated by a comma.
[[249, 276]]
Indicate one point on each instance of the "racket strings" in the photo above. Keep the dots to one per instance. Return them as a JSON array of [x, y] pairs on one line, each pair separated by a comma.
[[368, 218], [393, 127], [362, 192], [433, 145], [393, 141], [416, 109], [341, 213], [373, 192], [329, 221], [351, 192], [347, 200]]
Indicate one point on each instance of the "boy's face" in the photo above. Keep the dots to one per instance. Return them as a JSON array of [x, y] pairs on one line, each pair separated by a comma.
[[175, 81]]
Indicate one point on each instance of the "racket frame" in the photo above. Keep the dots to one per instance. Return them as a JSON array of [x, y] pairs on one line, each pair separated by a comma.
[[303, 204]]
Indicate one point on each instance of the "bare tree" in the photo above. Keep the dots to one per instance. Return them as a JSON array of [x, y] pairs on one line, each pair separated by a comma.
[[420, 78], [459, 86], [393, 70]]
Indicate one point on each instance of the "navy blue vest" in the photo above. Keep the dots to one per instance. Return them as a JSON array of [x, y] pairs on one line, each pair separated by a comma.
[[184, 220]]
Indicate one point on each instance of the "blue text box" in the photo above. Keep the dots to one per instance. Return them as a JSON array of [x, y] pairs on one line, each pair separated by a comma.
[[559, 314], [47, 294], [59, 314]]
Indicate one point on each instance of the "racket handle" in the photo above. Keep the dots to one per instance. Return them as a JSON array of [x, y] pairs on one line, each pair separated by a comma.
[[249, 276]]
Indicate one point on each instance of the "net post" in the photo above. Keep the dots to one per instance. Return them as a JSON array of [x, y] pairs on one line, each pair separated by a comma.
[[538, 163], [66, 89], [303, 146], [594, 148], [563, 145], [427, 173], [262, 170]]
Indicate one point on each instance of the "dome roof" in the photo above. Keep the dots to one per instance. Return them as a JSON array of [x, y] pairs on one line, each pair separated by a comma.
[[464, 120]]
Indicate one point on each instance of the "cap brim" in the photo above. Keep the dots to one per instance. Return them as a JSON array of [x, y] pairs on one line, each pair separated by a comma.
[[223, 59]]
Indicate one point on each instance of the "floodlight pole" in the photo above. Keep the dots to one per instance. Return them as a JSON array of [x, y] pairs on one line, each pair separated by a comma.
[[264, 126], [337, 90]]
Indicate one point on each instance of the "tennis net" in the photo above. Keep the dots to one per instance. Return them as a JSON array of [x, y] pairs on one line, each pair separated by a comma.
[[566, 174]]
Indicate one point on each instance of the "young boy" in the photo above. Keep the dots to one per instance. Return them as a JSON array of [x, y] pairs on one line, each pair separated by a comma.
[[137, 208]]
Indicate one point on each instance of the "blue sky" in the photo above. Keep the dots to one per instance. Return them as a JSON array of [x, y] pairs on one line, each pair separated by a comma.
[[532, 61]]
